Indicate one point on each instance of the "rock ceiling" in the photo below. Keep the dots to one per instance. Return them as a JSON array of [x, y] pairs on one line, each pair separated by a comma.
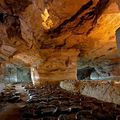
[[53, 35]]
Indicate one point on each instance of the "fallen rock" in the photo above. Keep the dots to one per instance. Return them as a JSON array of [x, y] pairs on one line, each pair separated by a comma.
[[72, 86], [107, 91]]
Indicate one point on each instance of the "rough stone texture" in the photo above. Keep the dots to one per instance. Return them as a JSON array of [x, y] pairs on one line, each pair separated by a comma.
[[72, 86], [58, 65], [36, 32], [50, 36], [108, 91], [103, 55]]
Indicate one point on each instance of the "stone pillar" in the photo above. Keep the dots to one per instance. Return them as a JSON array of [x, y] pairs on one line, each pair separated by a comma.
[[57, 65]]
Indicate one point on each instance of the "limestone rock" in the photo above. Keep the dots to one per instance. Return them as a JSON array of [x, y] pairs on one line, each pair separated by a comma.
[[72, 86], [58, 65], [38, 30], [107, 91]]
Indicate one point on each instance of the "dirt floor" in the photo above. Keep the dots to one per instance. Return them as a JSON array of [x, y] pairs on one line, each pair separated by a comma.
[[52, 103]]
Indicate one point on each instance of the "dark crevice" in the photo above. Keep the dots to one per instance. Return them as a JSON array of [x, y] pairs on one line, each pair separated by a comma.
[[110, 49], [99, 8], [2, 17], [17, 6], [88, 32], [14, 28], [83, 74], [80, 22], [81, 10], [67, 62], [62, 45], [89, 15], [77, 20], [99, 57]]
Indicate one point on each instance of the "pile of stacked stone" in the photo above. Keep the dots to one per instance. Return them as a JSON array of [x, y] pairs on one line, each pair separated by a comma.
[[52, 103], [10, 95]]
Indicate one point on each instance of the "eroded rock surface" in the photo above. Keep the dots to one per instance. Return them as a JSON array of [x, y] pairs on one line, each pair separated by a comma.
[[51, 36], [108, 91]]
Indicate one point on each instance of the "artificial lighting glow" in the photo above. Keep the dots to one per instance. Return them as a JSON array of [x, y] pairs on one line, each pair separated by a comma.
[[47, 22], [34, 75]]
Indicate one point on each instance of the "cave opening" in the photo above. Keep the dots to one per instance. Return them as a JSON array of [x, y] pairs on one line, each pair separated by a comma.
[[17, 74], [85, 74], [2, 17]]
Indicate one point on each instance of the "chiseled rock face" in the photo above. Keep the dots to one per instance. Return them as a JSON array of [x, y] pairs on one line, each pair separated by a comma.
[[71, 86], [102, 53], [108, 91], [58, 65], [51, 35]]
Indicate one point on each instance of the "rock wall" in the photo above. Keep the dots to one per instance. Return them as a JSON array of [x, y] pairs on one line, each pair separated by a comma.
[[51, 35], [58, 64], [108, 91], [102, 54]]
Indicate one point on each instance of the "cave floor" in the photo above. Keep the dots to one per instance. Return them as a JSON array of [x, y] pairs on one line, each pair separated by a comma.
[[50, 102]]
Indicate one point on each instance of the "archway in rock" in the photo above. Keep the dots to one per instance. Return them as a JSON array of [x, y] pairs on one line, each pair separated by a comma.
[[102, 54], [85, 74], [16, 74]]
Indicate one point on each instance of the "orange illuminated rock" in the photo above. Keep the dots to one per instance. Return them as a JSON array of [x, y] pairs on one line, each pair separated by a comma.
[[58, 65], [57, 37]]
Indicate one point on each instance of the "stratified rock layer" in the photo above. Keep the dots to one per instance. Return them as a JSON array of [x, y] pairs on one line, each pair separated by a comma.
[[51, 35]]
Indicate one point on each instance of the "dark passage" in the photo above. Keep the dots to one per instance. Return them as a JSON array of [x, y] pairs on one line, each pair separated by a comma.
[[17, 74]]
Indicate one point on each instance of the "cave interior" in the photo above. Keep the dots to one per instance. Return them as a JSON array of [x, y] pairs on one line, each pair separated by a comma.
[[60, 59]]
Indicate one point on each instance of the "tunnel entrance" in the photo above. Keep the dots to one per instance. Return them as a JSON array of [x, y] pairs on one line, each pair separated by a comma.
[[84, 74], [17, 74]]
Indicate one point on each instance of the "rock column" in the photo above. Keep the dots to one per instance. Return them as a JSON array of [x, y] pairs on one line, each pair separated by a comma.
[[57, 65]]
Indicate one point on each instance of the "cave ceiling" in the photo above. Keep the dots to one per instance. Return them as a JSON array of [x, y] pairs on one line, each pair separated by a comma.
[[35, 29]]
